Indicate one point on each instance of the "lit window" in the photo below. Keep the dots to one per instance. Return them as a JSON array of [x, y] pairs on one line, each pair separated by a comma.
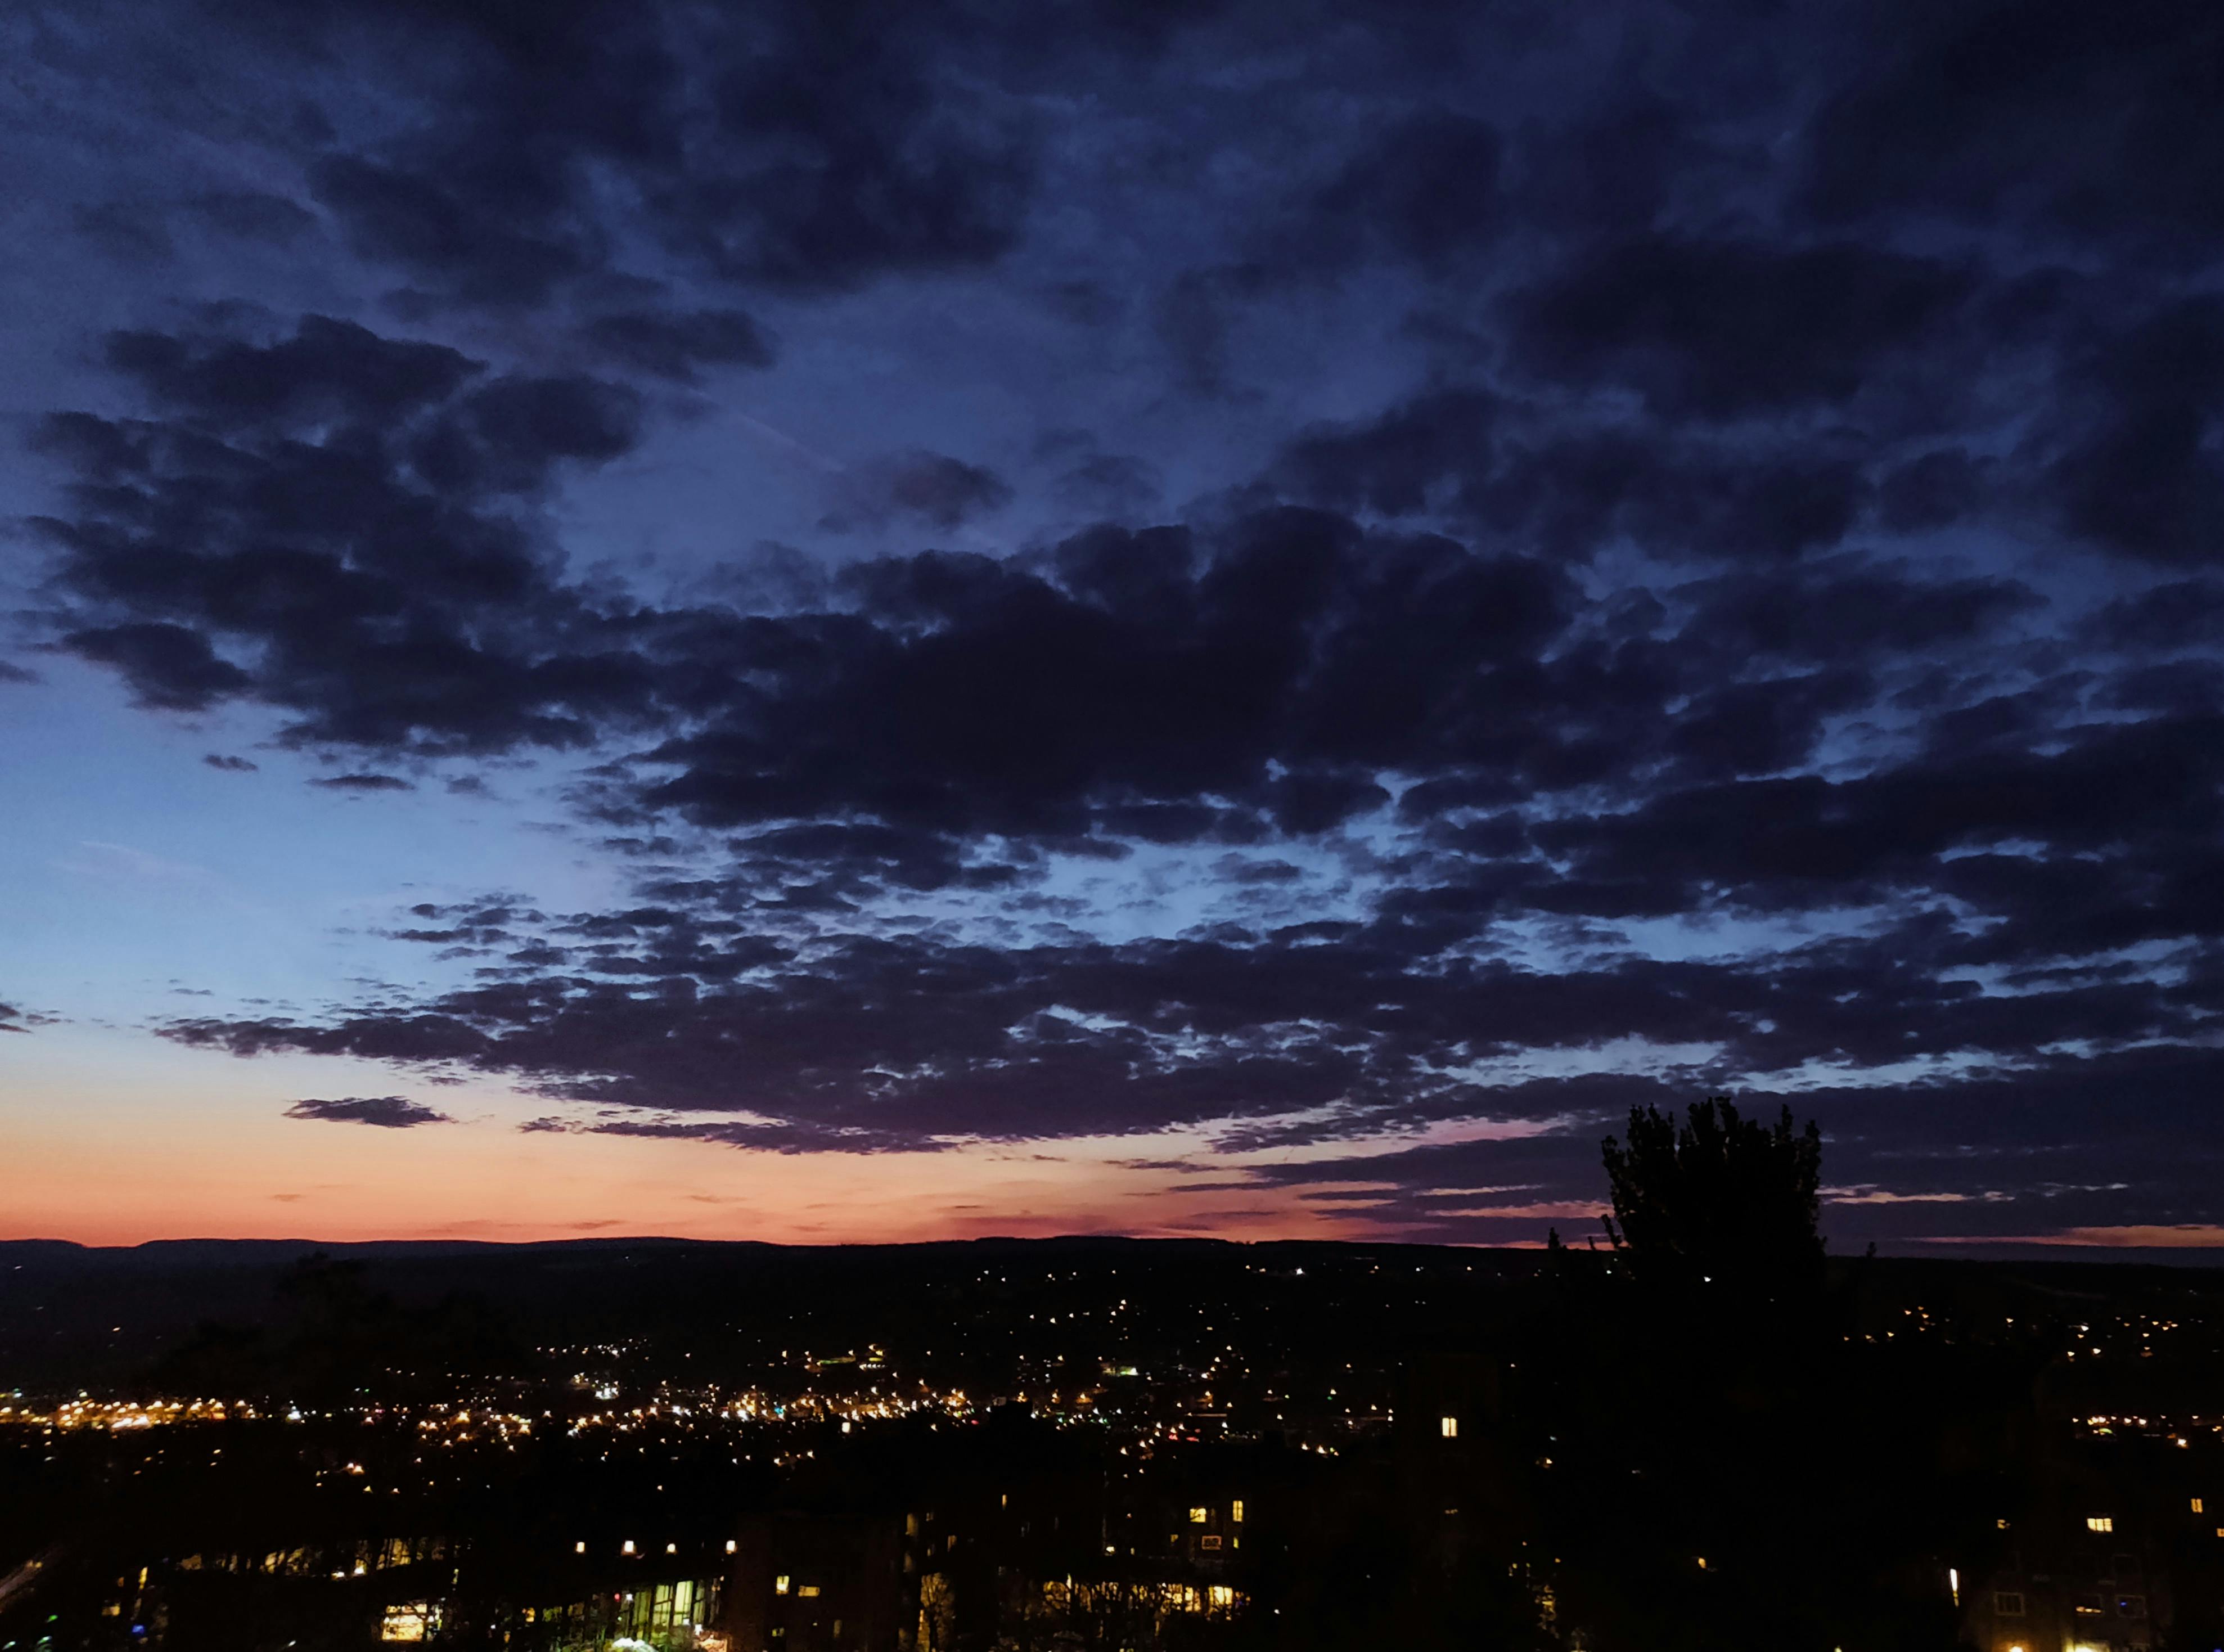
[[578, 1548], [1198, 1516], [672, 1549], [1236, 1512], [2007, 1603], [809, 1591], [626, 1546], [2100, 1522], [405, 1622], [2197, 1505], [779, 1584], [1211, 1541], [1450, 1426], [730, 1546]]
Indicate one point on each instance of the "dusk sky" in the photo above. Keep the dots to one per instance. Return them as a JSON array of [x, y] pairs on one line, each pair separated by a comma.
[[853, 622]]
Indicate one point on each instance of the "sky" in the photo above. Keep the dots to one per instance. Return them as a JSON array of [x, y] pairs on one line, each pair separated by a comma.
[[857, 621]]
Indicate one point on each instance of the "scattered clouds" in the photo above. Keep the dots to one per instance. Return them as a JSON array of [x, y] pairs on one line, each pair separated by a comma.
[[386, 1112], [1679, 568]]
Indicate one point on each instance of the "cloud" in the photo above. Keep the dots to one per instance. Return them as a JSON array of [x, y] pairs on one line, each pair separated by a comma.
[[170, 668], [1116, 485], [230, 765], [1724, 329], [2174, 1236], [128, 234], [930, 489], [1427, 191], [676, 346], [346, 526], [2063, 122], [2144, 474], [366, 782], [796, 148], [386, 1112], [254, 215]]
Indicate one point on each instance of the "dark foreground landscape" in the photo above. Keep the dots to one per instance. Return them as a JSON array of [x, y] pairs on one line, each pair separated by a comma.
[[1101, 1443]]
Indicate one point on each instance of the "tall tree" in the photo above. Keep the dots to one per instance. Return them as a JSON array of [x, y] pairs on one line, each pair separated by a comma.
[[1719, 1200]]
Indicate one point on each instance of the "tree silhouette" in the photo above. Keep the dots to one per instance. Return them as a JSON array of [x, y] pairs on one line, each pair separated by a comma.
[[1721, 1200], [1700, 1392]]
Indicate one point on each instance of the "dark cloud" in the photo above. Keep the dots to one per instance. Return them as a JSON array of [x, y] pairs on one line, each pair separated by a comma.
[[1194, 318], [251, 215], [168, 666], [1931, 490], [1468, 456], [1851, 612], [969, 695], [677, 346], [1116, 485], [2185, 613], [801, 147], [230, 765], [917, 488], [857, 1042], [2145, 473], [1398, 464], [1611, 172], [127, 234], [2057, 118], [1726, 329], [344, 525], [366, 782], [459, 231], [1425, 192], [386, 1112], [328, 370]]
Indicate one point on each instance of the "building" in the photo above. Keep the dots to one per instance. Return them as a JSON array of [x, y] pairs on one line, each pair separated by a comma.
[[822, 1583]]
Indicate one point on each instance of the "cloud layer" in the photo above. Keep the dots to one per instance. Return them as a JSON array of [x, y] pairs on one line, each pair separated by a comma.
[[1733, 602]]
